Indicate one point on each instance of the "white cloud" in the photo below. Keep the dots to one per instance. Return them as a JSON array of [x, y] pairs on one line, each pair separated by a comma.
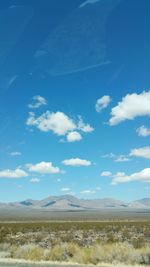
[[43, 168], [88, 2], [37, 101], [31, 121], [58, 122], [35, 180], [84, 127], [106, 173], [143, 131], [88, 192], [17, 173], [143, 152], [65, 189], [122, 158], [131, 106], [76, 162], [73, 136], [143, 176], [15, 153], [102, 103]]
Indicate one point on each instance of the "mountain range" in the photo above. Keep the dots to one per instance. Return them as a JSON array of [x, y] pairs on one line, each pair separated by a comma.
[[69, 202]]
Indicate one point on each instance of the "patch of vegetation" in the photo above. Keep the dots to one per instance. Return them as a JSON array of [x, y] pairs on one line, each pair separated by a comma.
[[125, 242]]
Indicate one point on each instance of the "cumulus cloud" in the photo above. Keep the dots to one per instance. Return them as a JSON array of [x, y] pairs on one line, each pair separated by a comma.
[[143, 131], [143, 152], [76, 162], [60, 124], [130, 107], [15, 153], [106, 174], [102, 103], [43, 168], [35, 180], [17, 173], [121, 177], [88, 2], [37, 101], [73, 136], [122, 158]]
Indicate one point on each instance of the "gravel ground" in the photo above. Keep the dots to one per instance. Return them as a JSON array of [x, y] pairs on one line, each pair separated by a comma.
[[21, 263]]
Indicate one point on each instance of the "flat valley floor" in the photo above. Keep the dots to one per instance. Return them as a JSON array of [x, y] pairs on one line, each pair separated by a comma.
[[108, 214]]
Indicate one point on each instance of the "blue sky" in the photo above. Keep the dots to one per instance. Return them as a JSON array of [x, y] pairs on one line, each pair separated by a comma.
[[74, 116]]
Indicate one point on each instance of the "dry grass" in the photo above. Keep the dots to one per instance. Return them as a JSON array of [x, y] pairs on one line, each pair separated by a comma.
[[69, 252], [83, 243]]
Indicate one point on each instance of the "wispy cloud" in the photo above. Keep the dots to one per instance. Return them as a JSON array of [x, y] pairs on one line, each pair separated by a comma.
[[109, 156], [15, 153], [142, 152], [84, 127], [122, 158], [37, 101], [117, 158], [88, 2]]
